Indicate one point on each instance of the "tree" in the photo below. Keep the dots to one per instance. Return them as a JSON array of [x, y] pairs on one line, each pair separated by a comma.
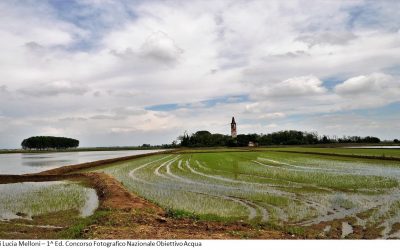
[[287, 137], [324, 139], [49, 142]]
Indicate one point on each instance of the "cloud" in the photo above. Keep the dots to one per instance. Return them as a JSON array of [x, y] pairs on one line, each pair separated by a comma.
[[54, 89], [270, 116], [296, 86], [3, 88], [198, 63], [159, 46], [107, 117], [375, 83], [369, 91], [334, 38]]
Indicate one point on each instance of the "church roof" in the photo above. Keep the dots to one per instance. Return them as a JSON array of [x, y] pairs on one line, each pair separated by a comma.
[[233, 120]]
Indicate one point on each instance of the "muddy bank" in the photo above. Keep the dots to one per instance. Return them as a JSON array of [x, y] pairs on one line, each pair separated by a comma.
[[113, 195]]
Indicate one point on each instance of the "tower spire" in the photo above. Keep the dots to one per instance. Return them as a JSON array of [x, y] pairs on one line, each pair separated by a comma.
[[233, 128]]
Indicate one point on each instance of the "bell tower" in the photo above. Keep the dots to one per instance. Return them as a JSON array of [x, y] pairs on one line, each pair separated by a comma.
[[233, 128]]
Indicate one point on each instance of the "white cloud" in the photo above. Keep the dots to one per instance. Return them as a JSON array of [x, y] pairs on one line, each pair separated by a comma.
[[54, 89], [111, 59], [276, 115], [375, 83], [159, 46], [335, 37], [296, 86], [369, 91]]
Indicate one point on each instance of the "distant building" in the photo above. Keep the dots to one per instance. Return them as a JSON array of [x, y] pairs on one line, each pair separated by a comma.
[[233, 128], [251, 144]]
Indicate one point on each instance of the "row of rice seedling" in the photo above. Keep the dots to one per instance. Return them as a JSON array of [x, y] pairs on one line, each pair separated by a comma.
[[29, 199], [378, 152], [259, 186]]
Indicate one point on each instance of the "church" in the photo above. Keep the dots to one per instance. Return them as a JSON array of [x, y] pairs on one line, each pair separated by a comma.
[[233, 128]]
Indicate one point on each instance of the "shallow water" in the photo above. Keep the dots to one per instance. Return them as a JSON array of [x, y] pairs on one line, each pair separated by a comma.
[[346, 229], [28, 199], [36, 162]]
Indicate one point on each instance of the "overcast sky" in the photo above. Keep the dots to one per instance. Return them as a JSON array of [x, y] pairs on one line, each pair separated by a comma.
[[133, 72]]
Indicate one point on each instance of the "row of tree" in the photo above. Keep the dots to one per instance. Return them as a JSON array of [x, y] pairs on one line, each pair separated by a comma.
[[49, 142], [287, 137]]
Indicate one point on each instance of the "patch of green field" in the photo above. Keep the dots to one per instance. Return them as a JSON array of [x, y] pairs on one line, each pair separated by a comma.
[[277, 167], [31, 199], [262, 186], [378, 152]]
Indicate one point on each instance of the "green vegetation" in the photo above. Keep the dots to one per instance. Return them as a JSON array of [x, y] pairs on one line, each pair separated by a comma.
[[288, 137], [75, 231], [265, 187], [49, 142], [30, 199], [377, 152]]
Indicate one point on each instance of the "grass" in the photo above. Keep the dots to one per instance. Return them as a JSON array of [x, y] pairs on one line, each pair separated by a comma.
[[76, 230]]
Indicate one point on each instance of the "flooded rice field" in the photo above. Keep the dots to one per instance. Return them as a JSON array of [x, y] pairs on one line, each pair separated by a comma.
[[29, 199], [381, 147], [25, 163], [351, 196]]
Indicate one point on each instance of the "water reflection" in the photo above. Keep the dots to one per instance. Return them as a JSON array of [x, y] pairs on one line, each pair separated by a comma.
[[36, 162]]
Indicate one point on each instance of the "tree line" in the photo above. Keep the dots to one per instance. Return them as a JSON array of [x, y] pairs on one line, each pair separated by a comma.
[[287, 137], [49, 142]]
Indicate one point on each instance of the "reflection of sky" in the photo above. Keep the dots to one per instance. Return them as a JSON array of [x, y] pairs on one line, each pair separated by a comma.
[[30, 163]]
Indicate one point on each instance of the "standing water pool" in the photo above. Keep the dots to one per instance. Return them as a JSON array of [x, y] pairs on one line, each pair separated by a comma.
[[26, 163]]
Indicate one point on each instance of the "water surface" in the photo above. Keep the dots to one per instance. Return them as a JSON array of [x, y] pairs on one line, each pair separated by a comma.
[[24, 163]]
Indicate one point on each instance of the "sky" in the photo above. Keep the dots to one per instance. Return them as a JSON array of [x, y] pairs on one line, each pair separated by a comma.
[[117, 73]]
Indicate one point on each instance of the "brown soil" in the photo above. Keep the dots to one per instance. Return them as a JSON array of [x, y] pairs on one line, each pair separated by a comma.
[[113, 195], [138, 224]]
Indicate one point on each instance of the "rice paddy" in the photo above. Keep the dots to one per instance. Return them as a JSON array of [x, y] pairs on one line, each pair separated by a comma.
[[30, 199], [382, 151], [266, 187]]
